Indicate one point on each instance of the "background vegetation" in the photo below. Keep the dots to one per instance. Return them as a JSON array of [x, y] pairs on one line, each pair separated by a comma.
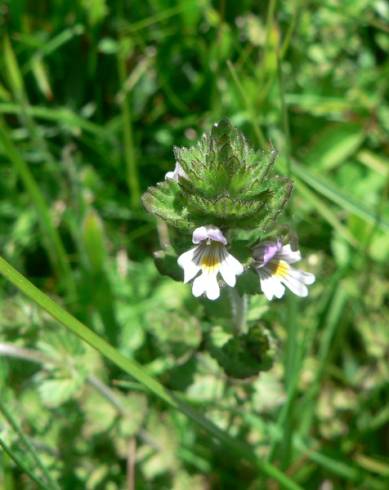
[[93, 95]]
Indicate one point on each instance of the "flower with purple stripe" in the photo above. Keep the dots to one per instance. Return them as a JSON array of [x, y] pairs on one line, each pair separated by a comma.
[[210, 256], [273, 265]]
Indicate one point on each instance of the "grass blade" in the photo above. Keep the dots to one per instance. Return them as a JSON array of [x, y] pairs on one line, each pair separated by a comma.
[[21, 464], [55, 248], [249, 108], [326, 212], [329, 191], [61, 115], [30, 448]]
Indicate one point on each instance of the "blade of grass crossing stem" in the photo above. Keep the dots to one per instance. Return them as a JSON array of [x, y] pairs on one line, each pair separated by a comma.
[[30, 448], [306, 343], [292, 366], [136, 371], [54, 246], [7, 450], [293, 353], [285, 413], [292, 370]]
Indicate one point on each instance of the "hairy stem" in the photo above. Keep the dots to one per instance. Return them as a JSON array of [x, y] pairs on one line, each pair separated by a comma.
[[239, 310]]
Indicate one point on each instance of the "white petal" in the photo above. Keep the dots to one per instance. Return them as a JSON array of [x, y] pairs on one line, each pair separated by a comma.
[[289, 255], [230, 268], [279, 288], [270, 285], [176, 173], [234, 264], [170, 176], [305, 277], [228, 274], [308, 278], [185, 261], [199, 285], [206, 283], [213, 290], [296, 285]]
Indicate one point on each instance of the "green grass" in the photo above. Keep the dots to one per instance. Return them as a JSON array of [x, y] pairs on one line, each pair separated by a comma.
[[93, 96]]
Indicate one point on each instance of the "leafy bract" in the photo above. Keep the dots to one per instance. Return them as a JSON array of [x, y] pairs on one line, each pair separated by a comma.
[[225, 183]]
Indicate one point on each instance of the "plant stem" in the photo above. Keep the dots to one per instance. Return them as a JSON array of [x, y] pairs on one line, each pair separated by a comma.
[[239, 310]]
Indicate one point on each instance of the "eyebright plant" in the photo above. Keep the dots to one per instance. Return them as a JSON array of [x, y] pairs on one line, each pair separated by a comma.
[[224, 194]]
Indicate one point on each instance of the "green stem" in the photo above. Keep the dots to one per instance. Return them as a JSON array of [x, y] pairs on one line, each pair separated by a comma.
[[293, 350], [238, 310]]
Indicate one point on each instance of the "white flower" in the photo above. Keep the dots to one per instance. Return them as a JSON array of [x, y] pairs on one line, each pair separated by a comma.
[[176, 173], [275, 272], [210, 256]]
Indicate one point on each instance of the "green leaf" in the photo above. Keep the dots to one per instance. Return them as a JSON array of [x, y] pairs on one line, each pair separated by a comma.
[[226, 184], [248, 283], [55, 392], [165, 201], [246, 355], [166, 263]]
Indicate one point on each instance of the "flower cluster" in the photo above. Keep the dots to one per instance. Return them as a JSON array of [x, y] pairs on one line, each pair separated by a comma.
[[221, 188], [272, 262]]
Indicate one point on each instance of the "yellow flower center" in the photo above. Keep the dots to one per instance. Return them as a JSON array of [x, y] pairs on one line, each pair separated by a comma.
[[211, 258], [279, 268]]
